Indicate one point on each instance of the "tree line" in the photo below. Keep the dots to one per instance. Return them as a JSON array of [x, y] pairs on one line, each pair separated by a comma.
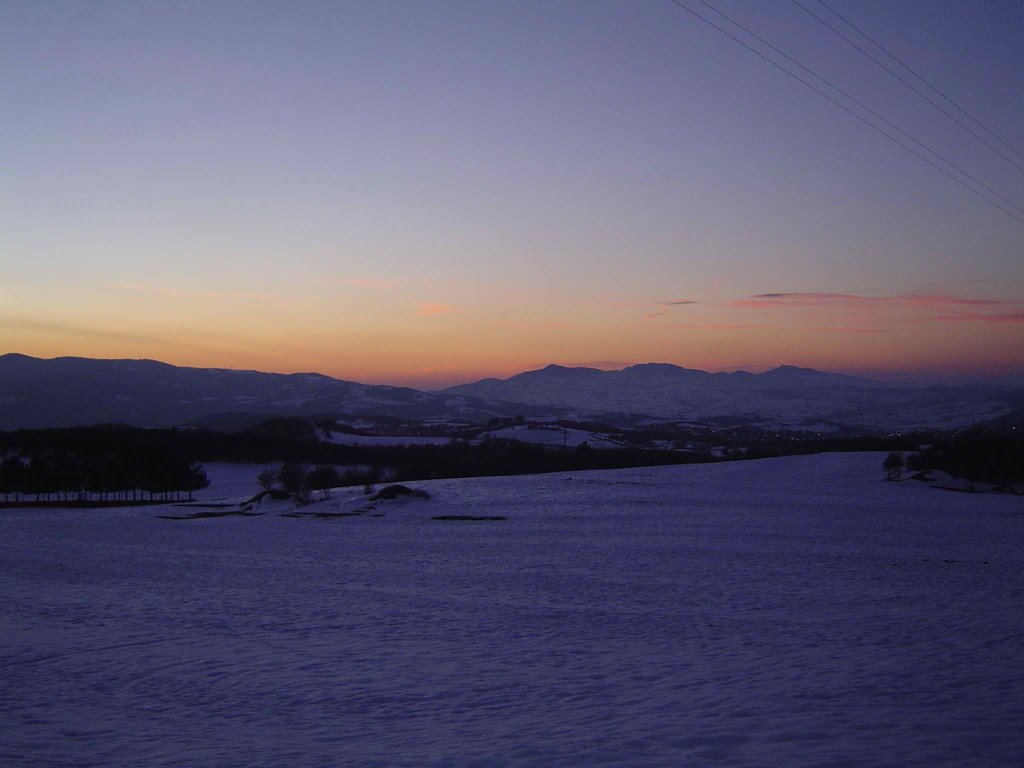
[[84, 477], [977, 455], [119, 463]]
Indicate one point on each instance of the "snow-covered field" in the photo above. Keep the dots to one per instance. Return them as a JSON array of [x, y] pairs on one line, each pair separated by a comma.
[[231, 481], [787, 612], [555, 437], [343, 438]]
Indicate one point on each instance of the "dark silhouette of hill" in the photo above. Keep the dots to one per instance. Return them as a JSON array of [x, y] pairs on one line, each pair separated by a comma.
[[787, 396], [73, 391]]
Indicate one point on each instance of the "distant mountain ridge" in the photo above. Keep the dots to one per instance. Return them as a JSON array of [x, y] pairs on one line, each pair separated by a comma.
[[70, 391], [662, 389], [787, 396]]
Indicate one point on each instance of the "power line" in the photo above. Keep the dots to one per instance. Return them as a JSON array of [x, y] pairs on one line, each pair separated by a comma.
[[935, 88], [866, 108], [916, 90], [845, 108]]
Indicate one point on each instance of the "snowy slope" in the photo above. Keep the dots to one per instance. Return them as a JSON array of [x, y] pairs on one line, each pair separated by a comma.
[[535, 435], [796, 611], [343, 438], [786, 396], [77, 391], [554, 436], [229, 481]]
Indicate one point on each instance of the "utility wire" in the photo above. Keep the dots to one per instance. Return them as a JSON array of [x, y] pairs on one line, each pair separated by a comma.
[[915, 89], [845, 108], [935, 88], [866, 108]]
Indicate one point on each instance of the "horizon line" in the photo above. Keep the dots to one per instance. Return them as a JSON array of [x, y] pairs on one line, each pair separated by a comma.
[[910, 377]]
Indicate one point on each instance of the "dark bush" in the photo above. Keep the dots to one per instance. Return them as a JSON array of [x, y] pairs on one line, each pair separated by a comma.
[[893, 465], [322, 479], [397, 491], [978, 455]]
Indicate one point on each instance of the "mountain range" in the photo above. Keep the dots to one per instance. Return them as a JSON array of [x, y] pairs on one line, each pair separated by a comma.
[[73, 391], [69, 391], [786, 396]]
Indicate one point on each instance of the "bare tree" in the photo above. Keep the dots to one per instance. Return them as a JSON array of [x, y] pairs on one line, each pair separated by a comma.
[[893, 465]]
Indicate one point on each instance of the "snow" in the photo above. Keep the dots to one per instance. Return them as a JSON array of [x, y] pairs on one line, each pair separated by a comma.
[[344, 438], [230, 481], [788, 396], [555, 436], [524, 434], [796, 611]]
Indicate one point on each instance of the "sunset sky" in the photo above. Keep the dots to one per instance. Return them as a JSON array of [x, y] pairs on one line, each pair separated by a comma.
[[427, 193]]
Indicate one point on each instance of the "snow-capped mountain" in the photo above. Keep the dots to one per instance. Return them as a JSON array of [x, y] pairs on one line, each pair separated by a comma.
[[787, 396], [72, 391]]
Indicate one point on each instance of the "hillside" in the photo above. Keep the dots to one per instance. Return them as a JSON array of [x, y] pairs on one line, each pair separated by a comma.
[[786, 396], [70, 391], [786, 612]]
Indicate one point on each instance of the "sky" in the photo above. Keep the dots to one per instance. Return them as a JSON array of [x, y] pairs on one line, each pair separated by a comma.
[[427, 193]]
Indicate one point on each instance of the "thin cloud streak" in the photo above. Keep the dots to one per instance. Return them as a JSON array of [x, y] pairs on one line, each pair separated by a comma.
[[982, 317], [809, 296], [853, 300], [87, 333], [178, 293], [427, 309], [854, 330], [944, 300], [712, 326], [642, 304], [774, 301]]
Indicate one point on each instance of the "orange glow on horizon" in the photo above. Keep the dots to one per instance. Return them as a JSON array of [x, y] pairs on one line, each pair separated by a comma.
[[390, 337]]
